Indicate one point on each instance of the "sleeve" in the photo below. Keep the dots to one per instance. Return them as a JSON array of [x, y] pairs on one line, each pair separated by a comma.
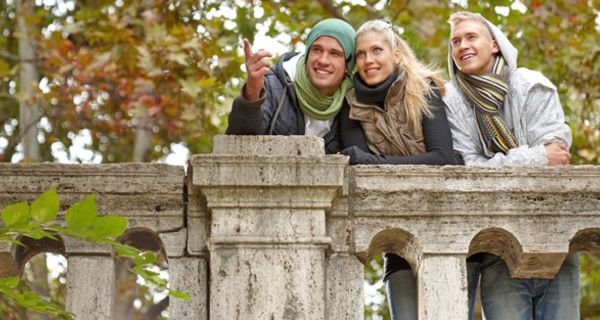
[[250, 117], [350, 131], [437, 138], [542, 122]]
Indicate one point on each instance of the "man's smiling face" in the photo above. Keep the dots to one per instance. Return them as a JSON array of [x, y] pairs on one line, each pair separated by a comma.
[[473, 48], [326, 64]]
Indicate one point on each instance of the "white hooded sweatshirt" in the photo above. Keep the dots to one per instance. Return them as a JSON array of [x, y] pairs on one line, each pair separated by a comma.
[[532, 110]]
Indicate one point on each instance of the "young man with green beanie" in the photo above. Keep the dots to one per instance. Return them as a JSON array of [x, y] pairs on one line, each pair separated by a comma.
[[303, 94]]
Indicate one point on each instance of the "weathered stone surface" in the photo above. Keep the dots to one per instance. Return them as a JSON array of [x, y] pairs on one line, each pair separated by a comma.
[[268, 222], [283, 228], [267, 225], [256, 171], [268, 145], [262, 282], [90, 287], [174, 242], [189, 275], [149, 195], [198, 236], [462, 210], [344, 294], [442, 288]]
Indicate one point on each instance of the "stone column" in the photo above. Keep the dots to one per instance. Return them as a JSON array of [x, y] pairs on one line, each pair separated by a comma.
[[90, 287], [189, 275], [267, 197], [442, 288], [345, 273]]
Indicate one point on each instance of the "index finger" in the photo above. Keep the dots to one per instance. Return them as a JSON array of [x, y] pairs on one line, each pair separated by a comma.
[[247, 49]]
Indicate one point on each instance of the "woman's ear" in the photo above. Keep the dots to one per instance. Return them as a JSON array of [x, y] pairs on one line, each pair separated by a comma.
[[397, 58]]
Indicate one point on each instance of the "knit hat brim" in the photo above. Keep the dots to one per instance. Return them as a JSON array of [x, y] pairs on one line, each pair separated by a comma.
[[339, 30]]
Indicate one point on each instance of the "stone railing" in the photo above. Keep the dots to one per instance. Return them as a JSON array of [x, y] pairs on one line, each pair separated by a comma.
[[271, 228]]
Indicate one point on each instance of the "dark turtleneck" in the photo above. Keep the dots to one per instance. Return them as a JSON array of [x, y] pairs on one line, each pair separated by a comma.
[[374, 95]]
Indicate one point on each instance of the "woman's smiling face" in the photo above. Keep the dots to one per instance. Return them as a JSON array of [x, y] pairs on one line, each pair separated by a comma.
[[375, 58]]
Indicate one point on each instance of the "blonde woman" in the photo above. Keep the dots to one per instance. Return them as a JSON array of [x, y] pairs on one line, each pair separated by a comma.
[[394, 115]]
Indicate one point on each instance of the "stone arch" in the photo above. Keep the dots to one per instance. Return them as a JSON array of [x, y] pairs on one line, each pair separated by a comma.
[[32, 247], [586, 240], [500, 242], [144, 239], [398, 241]]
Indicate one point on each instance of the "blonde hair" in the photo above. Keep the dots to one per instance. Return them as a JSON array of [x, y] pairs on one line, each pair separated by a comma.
[[418, 76], [461, 16]]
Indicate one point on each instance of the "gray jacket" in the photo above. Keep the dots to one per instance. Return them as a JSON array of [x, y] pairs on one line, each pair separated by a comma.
[[532, 110]]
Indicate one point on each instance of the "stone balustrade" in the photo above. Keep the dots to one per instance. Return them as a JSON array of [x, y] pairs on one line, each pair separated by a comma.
[[271, 228]]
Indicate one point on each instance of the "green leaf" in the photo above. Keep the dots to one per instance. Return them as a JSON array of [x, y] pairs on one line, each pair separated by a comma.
[[81, 214], [190, 87], [9, 282], [44, 208], [110, 226], [149, 257], [15, 213], [179, 295], [178, 57]]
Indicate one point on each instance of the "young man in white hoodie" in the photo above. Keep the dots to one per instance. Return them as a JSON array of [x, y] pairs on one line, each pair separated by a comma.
[[503, 115]]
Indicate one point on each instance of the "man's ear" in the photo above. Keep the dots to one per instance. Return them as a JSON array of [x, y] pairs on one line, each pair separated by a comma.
[[495, 48]]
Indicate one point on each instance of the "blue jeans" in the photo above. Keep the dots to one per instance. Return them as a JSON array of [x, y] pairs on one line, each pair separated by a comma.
[[401, 288], [504, 298]]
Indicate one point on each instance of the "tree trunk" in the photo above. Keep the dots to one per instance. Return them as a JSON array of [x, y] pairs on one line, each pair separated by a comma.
[[29, 111], [143, 138]]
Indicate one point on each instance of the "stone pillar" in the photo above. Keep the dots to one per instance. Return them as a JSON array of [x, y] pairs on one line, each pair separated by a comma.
[[90, 287], [345, 272], [345, 300], [442, 288], [189, 275], [267, 197]]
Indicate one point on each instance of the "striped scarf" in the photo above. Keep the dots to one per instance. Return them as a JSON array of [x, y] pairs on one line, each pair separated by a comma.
[[486, 94]]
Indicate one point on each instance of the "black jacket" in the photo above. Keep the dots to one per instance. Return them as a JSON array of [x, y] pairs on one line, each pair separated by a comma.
[[436, 134], [276, 112]]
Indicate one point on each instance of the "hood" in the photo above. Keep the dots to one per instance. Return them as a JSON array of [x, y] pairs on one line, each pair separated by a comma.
[[283, 69], [509, 52]]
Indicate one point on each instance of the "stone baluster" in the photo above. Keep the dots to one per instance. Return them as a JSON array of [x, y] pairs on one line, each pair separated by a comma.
[[267, 199]]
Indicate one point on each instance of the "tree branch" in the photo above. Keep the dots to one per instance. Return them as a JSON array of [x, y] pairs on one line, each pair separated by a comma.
[[154, 311], [330, 8], [14, 57], [8, 55], [12, 143]]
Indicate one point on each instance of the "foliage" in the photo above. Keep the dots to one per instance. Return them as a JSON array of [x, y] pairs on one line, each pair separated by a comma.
[[106, 63], [376, 307], [38, 221]]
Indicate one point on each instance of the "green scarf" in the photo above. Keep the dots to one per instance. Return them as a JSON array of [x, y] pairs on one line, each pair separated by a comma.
[[486, 94], [314, 104]]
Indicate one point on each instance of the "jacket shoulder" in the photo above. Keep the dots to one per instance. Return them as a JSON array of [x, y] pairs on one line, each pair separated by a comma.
[[523, 80], [453, 98]]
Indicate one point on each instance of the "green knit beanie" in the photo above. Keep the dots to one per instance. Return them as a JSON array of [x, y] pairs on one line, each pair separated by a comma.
[[339, 30]]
